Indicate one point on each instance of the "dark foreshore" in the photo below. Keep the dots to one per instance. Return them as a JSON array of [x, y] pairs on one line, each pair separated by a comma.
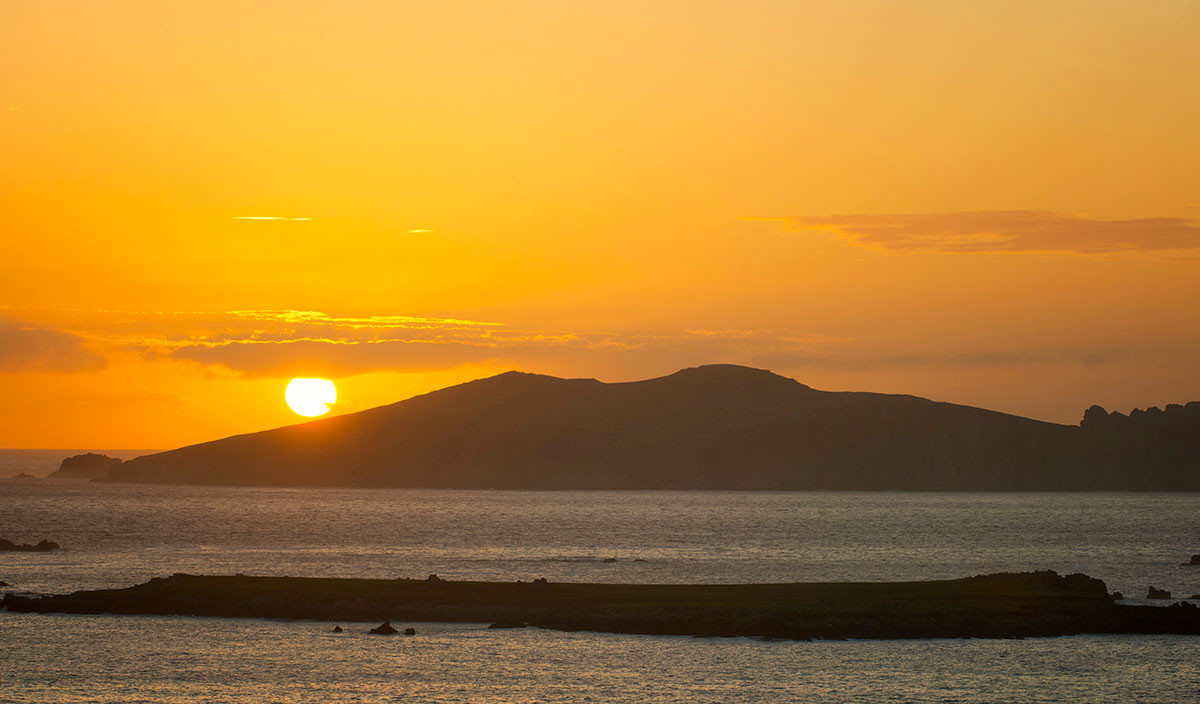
[[990, 606]]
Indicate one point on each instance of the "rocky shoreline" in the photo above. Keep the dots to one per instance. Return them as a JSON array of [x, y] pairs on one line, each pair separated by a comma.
[[989, 606]]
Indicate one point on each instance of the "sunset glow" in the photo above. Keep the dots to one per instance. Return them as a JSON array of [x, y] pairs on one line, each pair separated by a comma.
[[986, 203], [599, 351]]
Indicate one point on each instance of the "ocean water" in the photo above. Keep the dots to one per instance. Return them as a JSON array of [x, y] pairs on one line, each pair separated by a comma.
[[117, 535]]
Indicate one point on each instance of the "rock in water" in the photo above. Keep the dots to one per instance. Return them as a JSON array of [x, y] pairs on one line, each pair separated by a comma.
[[336, 629], [410, 631], [1156, 593], [43, 546], [384, 629], [86, 466], [1195, 562]]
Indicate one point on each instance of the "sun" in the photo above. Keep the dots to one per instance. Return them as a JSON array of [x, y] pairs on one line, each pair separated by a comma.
[[310, 397]]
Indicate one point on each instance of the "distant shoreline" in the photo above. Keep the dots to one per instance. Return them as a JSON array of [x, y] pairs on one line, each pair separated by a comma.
[[555, 490], [1031, 604]]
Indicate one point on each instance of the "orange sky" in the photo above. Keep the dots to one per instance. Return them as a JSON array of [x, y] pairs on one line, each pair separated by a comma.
[[992, 203]]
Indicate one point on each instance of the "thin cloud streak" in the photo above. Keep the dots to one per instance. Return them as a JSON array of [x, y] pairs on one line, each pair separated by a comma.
[[1007, 231], [268, 217]]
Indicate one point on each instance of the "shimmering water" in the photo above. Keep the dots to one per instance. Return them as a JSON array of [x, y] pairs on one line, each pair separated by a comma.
[[111, 658], [120, 535]]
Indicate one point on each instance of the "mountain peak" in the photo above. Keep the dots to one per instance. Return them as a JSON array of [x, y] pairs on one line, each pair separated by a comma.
[[732, 373]]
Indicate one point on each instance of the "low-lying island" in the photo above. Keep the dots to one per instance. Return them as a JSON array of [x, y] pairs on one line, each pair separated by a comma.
[[987, 606]]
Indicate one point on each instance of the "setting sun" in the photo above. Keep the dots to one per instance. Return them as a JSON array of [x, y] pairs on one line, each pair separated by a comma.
[[310, 397]]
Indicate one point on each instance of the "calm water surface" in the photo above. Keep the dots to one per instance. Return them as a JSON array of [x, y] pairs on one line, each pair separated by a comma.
[[120, 535]]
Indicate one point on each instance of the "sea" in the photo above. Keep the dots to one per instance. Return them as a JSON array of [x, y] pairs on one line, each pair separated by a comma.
[[120, 535]]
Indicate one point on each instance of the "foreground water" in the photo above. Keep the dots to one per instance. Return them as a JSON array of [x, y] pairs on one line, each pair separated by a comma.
[[111, 659], [120, 535]]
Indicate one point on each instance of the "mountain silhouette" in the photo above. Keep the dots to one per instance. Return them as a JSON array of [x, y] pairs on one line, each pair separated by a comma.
[[711, 427]]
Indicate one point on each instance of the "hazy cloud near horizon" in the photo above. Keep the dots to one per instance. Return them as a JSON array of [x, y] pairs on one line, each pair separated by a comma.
[[1008, 231], [281, 343], [29, 348], [638, 355], [524, 350]]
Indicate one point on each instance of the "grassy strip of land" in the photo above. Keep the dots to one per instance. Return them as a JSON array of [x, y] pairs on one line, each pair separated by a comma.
[[988, 606]]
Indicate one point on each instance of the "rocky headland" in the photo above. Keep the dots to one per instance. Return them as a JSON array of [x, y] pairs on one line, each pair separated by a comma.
[[990, 606], [90, 465]]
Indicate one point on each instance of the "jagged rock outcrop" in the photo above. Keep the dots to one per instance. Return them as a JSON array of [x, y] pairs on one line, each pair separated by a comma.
[[384, 629]]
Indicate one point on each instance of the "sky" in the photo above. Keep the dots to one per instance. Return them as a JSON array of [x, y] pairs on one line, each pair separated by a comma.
[[988, 203]]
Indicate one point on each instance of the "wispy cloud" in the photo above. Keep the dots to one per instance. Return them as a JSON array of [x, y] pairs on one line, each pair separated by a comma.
[[520, 349], [368, 321], [30, 348], [420, 231], [279, 343], [268, 217], [1008, 231], [271, 342]]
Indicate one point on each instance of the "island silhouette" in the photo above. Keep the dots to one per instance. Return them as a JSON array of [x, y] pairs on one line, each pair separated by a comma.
[[721, 427], [1006, 605]]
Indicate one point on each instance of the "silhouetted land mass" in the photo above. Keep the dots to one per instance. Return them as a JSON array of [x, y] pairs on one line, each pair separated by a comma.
[[991, 606], [1163, 443], [713, 427], [42, 546], [90, 465]]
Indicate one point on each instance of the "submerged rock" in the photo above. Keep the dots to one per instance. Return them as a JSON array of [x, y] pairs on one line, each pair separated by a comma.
[[1194, 562], [410, 631], [1156, 593], [384, 629], [609, 560]]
